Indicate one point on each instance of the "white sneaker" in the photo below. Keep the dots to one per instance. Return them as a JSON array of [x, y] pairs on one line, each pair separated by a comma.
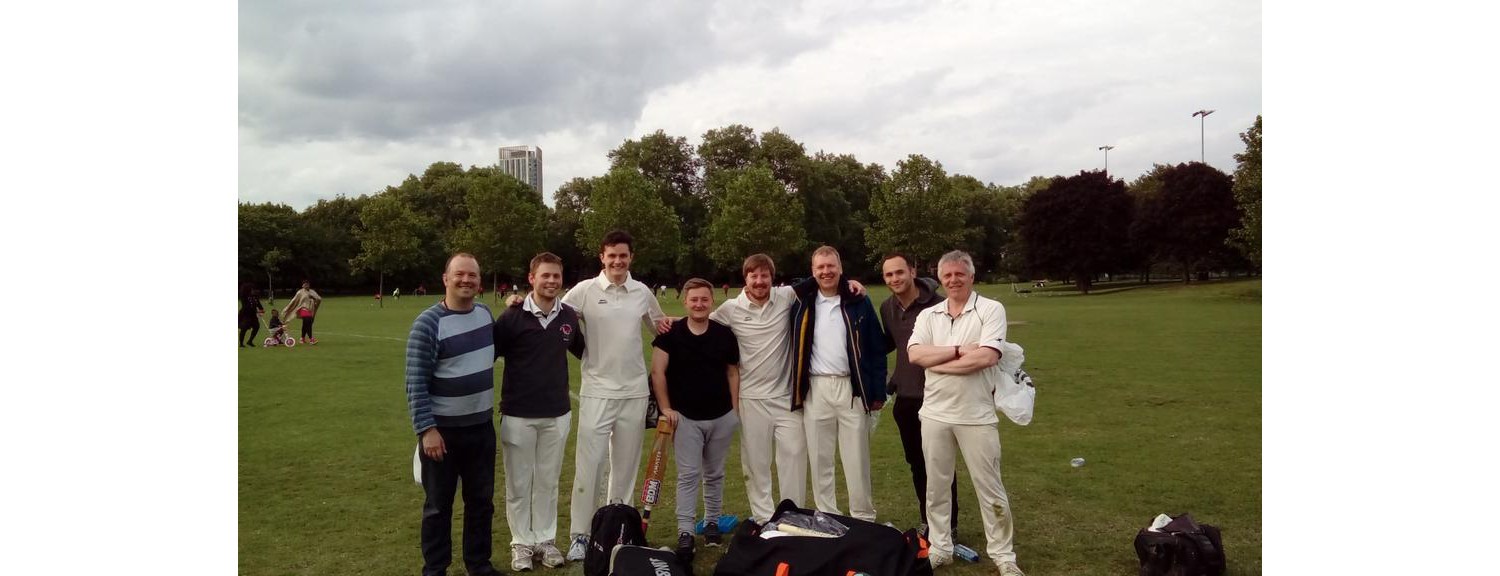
[[578, 547], [551, 556], [1009, 569], [938, 559], [520, 557]]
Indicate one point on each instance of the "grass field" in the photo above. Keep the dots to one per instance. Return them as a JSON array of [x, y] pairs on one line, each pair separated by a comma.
[[1158, 387]]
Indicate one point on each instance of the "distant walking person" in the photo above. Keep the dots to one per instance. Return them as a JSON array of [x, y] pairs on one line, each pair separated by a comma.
[[535, 337], [250, 311], [305, 306], [450, 391]]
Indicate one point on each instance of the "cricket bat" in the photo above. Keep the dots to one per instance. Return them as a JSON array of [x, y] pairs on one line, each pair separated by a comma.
[[656, 467]]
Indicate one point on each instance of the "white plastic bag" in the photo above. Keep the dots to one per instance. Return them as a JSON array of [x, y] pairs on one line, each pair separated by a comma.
[[1016, 399], [416, 464]]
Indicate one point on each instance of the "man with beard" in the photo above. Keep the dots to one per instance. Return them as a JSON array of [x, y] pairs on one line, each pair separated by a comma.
[[760, 318], [450, 391], [535, 337], [839, 382], [956, 340], [612, 401], [909, 296]]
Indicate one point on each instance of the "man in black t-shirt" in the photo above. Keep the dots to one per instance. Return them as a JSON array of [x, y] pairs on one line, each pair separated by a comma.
[[696, 378]]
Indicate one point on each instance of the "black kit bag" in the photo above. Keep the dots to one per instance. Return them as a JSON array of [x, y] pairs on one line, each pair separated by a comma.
[[629, 560], [1182, 548], [867, 547], [613, 525]]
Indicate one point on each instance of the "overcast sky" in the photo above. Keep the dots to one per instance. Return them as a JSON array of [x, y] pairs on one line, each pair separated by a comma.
[[347, 97]]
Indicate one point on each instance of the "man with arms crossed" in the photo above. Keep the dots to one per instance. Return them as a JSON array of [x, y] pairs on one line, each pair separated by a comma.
[[837, 382], [450, 389], [535, 337], [956, 341], [909, 296], [695, 375], [613, 398]]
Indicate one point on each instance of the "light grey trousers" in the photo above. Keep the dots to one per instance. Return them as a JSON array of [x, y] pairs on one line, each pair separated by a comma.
[[701, 447]]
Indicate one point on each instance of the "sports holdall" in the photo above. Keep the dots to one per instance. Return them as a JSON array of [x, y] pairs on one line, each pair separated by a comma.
[[1182, 547], [866, 547], [630, 560], [613, 525]]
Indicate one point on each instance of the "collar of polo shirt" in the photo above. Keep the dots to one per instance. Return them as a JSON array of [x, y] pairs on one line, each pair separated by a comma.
[[968, 306]]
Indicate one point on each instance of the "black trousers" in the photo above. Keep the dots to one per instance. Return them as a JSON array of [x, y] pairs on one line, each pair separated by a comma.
[[307, 327], [251, 325], [470, 458], [910, 426]]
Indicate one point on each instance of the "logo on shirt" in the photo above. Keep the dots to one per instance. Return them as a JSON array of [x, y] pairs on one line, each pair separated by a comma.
[[566, 329], [603, 301]]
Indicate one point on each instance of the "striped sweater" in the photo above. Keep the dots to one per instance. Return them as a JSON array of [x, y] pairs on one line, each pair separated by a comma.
[[450, 367]]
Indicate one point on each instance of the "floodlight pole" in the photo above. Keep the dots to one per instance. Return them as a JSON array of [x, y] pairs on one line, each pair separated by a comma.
[[1106, 150], [1202, 150]]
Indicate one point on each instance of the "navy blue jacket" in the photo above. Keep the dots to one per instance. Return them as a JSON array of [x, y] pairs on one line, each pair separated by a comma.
[[864, 342]]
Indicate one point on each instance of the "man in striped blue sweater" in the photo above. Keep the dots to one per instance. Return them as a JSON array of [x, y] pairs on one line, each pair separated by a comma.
[[450, 390]]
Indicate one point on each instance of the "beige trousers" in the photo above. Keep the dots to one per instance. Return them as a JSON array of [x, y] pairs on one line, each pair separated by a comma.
[[980, 445], [610, 431], [833, 415], [767, 427]]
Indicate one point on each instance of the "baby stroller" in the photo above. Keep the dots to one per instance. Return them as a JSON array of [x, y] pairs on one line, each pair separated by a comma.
[[279, 336]]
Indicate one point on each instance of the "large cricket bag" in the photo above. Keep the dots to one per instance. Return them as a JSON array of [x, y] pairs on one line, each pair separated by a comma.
[[1181, 548], [866, 547], [613, 525], [628, 560]]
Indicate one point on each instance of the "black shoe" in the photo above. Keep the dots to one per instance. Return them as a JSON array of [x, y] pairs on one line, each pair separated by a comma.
[[711, 536], [685, 547]]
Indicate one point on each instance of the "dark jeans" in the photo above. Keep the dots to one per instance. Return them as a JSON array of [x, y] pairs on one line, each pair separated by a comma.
[[307, 327], [910, 426], [253, 327], [470, 457]]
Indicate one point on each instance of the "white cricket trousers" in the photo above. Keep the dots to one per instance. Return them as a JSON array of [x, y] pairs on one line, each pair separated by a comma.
[[609, 446], [770, 426], [980, 445], [532, 449], [832, 414]]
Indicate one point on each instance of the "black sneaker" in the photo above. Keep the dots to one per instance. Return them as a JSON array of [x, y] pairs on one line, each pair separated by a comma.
[[711, 536], [685, 547]]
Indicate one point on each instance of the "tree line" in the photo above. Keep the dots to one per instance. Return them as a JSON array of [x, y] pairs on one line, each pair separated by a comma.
[[699, 210]]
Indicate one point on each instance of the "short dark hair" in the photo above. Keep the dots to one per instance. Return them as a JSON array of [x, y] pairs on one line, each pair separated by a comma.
[[697, 283], [544, 258], [756, 262], [455, 255], [617, 237], [902, 256]]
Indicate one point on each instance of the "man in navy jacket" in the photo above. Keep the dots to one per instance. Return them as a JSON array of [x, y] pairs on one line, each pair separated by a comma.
[[838, 382]]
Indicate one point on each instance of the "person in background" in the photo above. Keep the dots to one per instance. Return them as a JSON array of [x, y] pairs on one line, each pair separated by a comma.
[[305, 305], [250, 311]]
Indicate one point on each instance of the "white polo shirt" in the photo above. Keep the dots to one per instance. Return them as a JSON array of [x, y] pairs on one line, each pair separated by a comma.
[[955, 398], [829, 355], [612, 316], [765, 351]]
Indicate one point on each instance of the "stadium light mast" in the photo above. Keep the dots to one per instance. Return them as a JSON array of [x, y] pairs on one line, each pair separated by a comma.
[[1203, 115], [1106, 150]]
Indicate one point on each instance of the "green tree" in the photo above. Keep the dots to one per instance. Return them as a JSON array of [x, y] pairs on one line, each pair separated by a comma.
[[754, 214], [271, 262], [263, 227], [785, 157], [916, 212], [1246, 238], [1076, 227], [506, 226], [565, 220], [325, 241], [1189, 219], [388, 237], [669, 164], [626, 200], [728, 148], [989, 220]]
